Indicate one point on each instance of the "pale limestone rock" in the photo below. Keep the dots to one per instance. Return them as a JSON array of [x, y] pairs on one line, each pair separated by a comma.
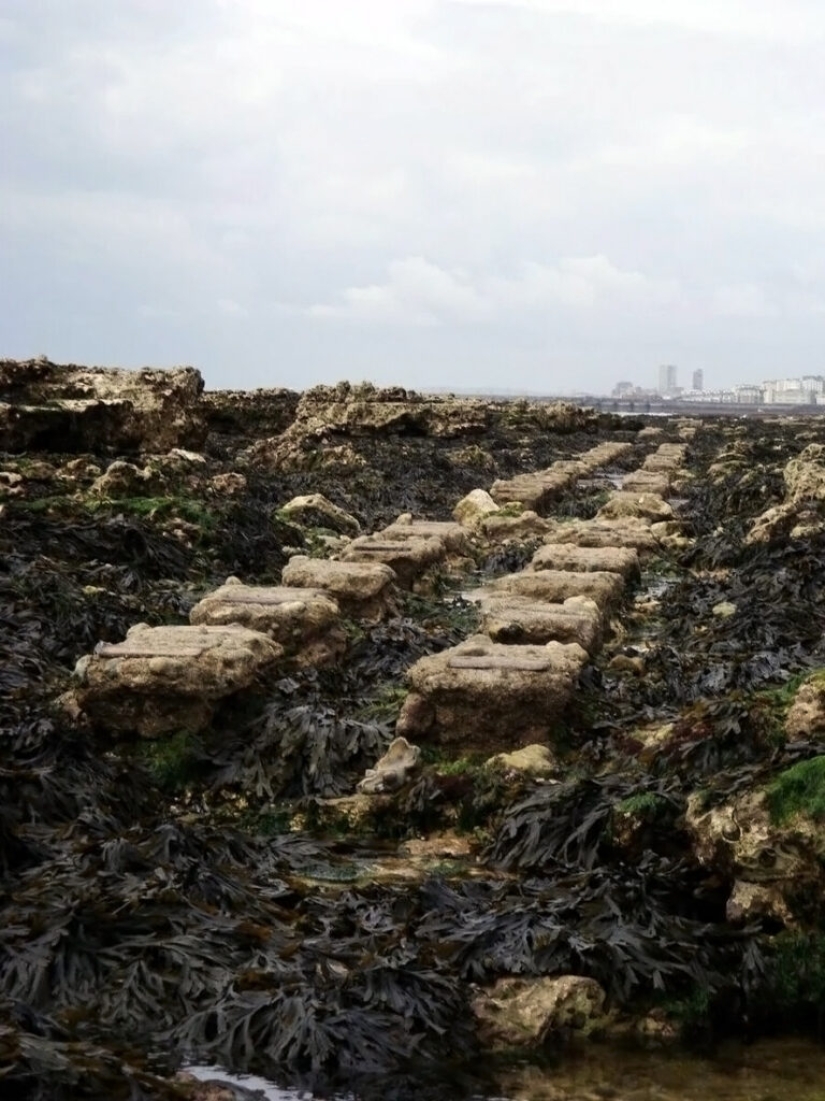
[[534, 491], [503, 528], [472, 509], [306, 622], [454, 537], [315, 511], [806, 715], [532, 760], [362, 590], [646, 481], [521, 1012], [483, 696], [631, 505], [391, 771], [164, 679], [564, 556]]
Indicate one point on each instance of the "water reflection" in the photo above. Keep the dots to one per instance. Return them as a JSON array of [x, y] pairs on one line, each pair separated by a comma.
[[787, 1070]]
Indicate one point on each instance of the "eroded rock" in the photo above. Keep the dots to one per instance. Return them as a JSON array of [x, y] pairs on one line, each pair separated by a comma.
[[47, 406]]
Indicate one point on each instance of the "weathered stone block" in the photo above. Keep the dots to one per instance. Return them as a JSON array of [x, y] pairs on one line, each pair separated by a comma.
[[556, 586], [306, 622], [362, 590], [564, 556], [164, 679], [481, 696]]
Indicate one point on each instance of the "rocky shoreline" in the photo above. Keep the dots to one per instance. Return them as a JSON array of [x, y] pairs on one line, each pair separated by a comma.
[[349, 735]]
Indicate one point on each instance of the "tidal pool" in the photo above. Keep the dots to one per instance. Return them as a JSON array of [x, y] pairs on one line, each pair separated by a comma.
[[777, 1070]]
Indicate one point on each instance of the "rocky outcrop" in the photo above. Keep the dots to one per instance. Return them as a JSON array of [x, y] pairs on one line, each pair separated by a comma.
[[46, 406], [250, 414], [326, 415]]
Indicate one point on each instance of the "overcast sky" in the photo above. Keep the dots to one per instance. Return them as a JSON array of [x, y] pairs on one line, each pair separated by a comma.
[[543, 195]]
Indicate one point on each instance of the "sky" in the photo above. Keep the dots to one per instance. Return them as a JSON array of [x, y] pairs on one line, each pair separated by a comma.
[[529, 195]]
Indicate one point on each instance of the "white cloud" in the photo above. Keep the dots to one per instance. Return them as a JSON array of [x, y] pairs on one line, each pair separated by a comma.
[[419, 293]]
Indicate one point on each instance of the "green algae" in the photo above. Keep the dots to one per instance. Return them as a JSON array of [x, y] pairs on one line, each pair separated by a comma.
[[800, 789]]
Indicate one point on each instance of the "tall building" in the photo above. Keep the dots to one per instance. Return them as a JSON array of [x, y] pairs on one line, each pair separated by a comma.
[[667, 378], [699, 379]]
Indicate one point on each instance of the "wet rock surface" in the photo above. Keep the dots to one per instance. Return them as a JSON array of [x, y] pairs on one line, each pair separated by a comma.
[[650, 826]]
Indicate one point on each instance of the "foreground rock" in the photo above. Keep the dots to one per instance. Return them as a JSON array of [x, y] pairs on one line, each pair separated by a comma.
[[47, 406], [486, 697], [162, 680], [305, 622], [363, 590]]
